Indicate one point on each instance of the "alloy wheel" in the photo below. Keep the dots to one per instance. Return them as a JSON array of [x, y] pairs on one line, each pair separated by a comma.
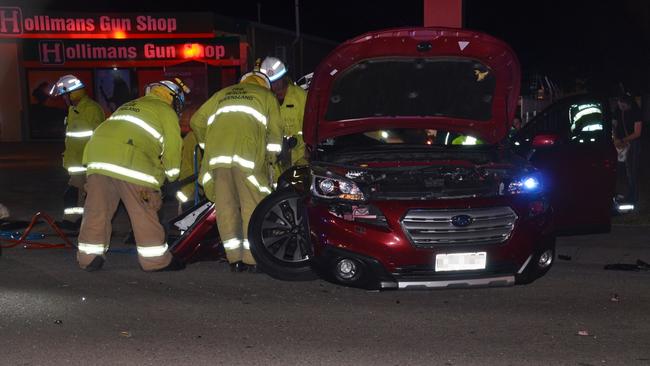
[[284, 231]]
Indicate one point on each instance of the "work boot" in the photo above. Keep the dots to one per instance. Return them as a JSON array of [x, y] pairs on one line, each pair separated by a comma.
[[175, 265], [237, 267], [96, 264]]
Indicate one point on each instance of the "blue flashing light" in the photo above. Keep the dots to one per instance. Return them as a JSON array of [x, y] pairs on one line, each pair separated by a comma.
[[526, 184], [531, 184]]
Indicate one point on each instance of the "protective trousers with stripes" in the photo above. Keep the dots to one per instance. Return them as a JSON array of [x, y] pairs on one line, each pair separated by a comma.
[[73, 198], [142, 204], [235, 200]]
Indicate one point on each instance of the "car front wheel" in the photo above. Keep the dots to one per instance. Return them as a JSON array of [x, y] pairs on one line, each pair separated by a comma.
[[279, 237], [541, 261]]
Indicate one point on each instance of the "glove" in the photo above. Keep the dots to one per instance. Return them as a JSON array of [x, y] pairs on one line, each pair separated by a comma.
[[170, 189], [284, 158]]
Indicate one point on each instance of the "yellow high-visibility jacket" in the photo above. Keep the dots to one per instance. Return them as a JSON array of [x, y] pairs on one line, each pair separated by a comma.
[[242, 126], [139, 143], [81, 122], [186, 192], [292, 111], [199, 120]]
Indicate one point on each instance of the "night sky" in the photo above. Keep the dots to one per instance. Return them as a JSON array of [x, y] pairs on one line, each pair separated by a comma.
[[600, 41]]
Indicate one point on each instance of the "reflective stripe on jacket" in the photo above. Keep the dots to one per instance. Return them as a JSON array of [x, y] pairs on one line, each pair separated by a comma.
[[81, 122], [139, 143], [292, 111], [240, 121], [186, 192]]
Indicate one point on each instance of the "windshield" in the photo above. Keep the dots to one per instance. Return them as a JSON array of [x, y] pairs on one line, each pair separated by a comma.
[[449, 87], [403, 136]]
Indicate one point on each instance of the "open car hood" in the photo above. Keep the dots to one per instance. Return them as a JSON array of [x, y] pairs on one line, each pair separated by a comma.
[[431, 78]]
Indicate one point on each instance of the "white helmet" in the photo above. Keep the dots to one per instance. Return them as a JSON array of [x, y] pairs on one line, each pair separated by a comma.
[[305, 81], [273, 68], [66, 84], [178, 90]]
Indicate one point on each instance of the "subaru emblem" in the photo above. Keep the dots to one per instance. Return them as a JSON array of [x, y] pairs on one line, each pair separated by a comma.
[[462, 220]]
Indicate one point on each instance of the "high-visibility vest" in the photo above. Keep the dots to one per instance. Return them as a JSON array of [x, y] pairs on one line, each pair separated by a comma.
[[139, 143], [292, 111], [186, 192], [81, 122], [242, 127]]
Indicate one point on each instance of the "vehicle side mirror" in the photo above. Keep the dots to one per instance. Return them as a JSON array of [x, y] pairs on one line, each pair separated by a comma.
[[544, 140]]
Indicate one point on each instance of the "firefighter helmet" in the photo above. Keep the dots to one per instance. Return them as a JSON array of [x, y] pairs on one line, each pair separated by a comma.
[[256, 77], [177, 89], [65, 85], [273, 68], [305, 81]]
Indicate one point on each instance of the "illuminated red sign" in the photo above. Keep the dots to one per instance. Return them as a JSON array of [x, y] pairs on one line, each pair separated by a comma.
[[63, 52], [19, 23]]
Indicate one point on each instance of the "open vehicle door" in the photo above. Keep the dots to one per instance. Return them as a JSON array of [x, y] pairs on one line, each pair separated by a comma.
[[570, 142]]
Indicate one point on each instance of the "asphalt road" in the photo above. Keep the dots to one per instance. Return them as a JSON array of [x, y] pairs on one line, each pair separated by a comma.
[[52, 313]]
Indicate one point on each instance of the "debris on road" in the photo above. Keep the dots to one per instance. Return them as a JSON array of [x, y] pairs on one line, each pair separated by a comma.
[[58, 321], [125, 334], [583, 333], [633, 267], [614, 298], [622, 267]]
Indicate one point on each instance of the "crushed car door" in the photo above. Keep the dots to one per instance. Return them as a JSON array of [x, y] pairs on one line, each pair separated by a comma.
[[570, 143]]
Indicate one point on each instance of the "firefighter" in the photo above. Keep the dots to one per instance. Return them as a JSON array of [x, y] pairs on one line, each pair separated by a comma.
[[128, 158], [292, 99], [186, 189], [84, 115], [242, 133]]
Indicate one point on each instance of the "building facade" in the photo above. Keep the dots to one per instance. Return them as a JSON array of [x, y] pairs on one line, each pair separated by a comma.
[[117, 55]]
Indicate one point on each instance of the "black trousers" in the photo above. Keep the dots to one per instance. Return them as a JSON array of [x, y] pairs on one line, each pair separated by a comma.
[[632, 164]]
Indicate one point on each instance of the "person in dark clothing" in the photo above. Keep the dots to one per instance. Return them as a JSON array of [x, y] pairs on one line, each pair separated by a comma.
[[628, 126]]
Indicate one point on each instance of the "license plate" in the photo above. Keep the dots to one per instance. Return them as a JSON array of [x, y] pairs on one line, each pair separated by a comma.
[[460, 261]]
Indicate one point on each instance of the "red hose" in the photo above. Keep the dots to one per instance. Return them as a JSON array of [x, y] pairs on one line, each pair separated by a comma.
[[29, 244]]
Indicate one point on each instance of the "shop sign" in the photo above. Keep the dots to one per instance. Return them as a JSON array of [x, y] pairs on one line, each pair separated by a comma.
[[59, 52], [16, 22]]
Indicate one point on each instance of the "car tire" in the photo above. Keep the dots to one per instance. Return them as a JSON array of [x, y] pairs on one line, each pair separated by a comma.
[[533, 271], [279, 237]]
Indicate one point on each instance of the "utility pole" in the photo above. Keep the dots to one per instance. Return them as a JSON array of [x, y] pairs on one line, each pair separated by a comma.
[[297, 42]]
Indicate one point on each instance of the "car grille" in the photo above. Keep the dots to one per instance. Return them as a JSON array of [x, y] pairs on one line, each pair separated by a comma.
[[428, 228]]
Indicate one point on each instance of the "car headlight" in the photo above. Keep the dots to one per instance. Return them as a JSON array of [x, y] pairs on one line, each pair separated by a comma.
[[525, 184], [335, 188]]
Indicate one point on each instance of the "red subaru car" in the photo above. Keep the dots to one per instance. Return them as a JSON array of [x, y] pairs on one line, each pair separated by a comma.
[[412, 181]]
